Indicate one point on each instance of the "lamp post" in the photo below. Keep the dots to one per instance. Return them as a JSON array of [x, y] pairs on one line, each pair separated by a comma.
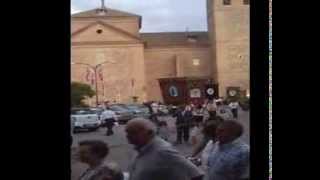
[[94, 68]]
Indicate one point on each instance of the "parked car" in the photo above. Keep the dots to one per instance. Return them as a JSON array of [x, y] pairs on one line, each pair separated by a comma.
[[85, 119], [138, 110], [163, 110], [123, 115], [71, 129], [98, 111]]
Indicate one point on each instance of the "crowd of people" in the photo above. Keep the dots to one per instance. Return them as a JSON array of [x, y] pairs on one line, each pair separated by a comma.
[[211, 128]]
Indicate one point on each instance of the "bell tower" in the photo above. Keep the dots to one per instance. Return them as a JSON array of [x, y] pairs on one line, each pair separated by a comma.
[[228, 26]]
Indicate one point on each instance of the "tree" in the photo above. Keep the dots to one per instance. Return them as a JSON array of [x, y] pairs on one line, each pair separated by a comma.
[[80, 92]]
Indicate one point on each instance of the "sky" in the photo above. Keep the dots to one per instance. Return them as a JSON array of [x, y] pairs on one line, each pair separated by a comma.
[[157, 15]]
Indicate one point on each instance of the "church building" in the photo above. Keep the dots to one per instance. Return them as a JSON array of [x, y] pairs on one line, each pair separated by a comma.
[[109, 53]]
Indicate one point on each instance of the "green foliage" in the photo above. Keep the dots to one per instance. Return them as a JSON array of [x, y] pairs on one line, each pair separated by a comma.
[[80, 92]]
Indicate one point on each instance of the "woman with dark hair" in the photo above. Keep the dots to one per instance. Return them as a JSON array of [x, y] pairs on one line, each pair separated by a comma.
[[93, 153]]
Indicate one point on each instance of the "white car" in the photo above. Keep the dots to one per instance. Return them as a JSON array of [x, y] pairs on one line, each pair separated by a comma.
[[84, 118]]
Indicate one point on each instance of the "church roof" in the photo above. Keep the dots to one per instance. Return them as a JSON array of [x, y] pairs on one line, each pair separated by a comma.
[[108, 26], [168, 39], [110, 13]]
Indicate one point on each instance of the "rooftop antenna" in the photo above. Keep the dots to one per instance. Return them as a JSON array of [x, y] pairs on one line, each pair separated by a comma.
[[102, 4]]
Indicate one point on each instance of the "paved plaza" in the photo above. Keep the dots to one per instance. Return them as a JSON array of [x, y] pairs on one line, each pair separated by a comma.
[[122, 153]]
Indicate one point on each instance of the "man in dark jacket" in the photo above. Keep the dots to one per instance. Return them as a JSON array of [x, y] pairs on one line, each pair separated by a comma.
[[183, 122], [188, 120], [179, 124]]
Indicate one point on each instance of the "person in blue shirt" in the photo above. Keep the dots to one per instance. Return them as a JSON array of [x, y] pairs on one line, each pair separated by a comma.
[[228, 157]]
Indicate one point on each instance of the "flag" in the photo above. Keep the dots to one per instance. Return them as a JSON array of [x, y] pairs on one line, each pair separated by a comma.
[[100, 74], [102, 84], [93, 78], [88, 75]]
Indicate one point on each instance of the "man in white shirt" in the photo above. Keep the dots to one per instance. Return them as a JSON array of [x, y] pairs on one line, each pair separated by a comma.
[[234, 108], [228, 157], [108, 119]]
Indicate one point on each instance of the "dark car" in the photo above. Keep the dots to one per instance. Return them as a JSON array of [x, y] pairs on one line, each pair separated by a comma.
[[138, 110], [123, 115]]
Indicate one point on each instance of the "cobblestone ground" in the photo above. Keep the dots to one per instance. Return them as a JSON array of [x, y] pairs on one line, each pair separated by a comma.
[[122, 153]]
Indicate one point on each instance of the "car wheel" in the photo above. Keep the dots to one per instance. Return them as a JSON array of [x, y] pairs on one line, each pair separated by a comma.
[[75, 131], [94, 129]]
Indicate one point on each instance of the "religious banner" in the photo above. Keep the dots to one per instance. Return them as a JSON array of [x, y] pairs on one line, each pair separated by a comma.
[[209, 90], [233, 92], [173, 91], [195, 93], [90, 76], [100, 74]]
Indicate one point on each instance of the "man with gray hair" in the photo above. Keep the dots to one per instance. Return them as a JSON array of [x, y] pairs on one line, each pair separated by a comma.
[[228, 157], [156, 159]]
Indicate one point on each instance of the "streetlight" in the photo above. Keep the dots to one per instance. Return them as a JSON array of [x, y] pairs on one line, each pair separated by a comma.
[[94, 68]]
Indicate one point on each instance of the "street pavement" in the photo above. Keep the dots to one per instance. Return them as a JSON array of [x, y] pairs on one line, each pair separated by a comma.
[[122, 153]]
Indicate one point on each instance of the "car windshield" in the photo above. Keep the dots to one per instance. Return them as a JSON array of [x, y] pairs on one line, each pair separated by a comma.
[[82, 111], [117, 108], [97, 111], [132, 107]]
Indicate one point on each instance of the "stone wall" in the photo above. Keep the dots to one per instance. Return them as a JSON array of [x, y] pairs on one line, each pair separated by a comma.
[[174, 62], [120, 80], [229, 32]]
